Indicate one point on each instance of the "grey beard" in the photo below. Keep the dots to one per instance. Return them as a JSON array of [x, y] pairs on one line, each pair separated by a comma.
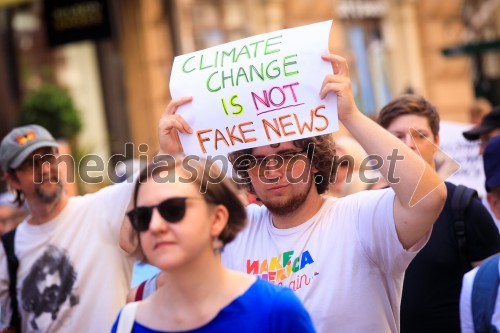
[[49, 197]]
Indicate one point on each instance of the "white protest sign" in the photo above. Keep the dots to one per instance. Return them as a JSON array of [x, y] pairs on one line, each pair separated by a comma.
[[256, 91], [466, 153]]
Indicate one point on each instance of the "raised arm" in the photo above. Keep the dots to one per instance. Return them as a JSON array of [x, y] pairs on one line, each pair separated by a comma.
[[420, 192]]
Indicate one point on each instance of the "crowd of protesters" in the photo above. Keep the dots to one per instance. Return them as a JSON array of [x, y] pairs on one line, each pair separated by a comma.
[[289, 257]]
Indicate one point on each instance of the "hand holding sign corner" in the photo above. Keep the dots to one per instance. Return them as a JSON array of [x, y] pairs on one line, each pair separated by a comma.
[[171, 124]]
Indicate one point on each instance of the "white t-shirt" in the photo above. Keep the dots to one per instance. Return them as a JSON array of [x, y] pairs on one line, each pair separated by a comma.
[[346, 263], [466, 321], [73, 276]]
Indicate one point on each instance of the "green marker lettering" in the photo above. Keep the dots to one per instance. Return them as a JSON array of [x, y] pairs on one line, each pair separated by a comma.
[[224, 78], [268, 44], [184, 66], [244, 50], [202, 67], [285, 64], [225, 54], [275, 68], [256, 46], [208, 83], [241, 73], [256, 71]]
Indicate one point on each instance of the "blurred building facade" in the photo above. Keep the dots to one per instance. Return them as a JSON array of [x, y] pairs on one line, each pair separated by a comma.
[[120, 80]]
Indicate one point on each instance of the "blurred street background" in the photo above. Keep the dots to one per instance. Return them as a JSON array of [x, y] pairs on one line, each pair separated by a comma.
[[106, 63]]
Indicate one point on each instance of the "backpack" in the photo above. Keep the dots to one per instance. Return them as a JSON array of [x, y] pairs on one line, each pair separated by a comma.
[[12, 266], [484, 295], [460, 200]]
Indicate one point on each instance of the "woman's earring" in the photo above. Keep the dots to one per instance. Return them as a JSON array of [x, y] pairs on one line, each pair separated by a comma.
[[217, 245]]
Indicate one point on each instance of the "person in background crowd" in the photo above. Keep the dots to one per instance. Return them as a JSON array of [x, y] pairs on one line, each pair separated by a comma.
[[470, 315], [351, 155], [491, 162], [182, 231], [480, 108], [344, 257], [10, 214], [72, 276], [431, 290], [488, 128]]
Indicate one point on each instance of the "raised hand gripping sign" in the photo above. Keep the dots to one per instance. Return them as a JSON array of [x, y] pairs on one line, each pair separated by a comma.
[[256, 91]]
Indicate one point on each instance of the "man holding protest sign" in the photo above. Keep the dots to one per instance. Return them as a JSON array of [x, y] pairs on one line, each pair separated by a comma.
[[345, 258]]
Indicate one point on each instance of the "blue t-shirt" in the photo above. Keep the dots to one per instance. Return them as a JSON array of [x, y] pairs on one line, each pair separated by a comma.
[[264, 307]]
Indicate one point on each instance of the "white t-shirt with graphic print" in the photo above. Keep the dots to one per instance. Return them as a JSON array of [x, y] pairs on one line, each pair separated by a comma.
[[346, 263], [73, 275]]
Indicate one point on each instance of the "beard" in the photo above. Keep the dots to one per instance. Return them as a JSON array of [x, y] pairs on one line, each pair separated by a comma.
[[48, 196], [289, 206]]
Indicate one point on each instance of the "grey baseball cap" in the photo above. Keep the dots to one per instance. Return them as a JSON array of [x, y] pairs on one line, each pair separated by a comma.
[[21, 142]]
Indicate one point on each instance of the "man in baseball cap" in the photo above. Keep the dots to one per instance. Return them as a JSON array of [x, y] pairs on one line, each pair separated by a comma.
[[488, 128], [23, 153], [69, 247]]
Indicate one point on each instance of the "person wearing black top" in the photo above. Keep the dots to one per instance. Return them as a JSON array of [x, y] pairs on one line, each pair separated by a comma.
[[431, 289]]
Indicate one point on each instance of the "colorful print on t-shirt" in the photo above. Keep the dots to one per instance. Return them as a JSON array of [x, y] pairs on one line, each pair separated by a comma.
[[284, 269]]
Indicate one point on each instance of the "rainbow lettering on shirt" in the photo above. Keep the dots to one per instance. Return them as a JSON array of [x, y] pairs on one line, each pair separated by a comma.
[[279, 268]]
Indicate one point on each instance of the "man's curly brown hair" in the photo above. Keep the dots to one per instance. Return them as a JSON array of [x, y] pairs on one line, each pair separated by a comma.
[[323, 159]]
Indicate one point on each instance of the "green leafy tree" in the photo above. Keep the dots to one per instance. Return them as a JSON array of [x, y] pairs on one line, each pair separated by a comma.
[[52, 108]]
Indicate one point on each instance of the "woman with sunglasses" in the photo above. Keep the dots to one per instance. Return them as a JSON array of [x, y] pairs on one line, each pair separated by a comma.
[[182, 231], [149, 286]]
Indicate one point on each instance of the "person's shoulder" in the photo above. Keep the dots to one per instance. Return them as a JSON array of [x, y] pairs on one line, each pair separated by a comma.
[[282, 302], [474, 213], [451, 186], [271, 290], [367, 196], [262, 288], [254, 208], [474, 207], [116, 194], [256, 213], [111, 190], [470, 276], [450, 193], [74, 205], [21, 227], [371, 193]]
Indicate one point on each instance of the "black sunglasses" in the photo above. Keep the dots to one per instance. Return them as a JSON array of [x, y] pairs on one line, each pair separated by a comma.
[[171, 210]]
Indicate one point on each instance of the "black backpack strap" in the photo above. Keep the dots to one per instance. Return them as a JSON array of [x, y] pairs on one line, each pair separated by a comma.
[[12, 265], [460, 200]]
